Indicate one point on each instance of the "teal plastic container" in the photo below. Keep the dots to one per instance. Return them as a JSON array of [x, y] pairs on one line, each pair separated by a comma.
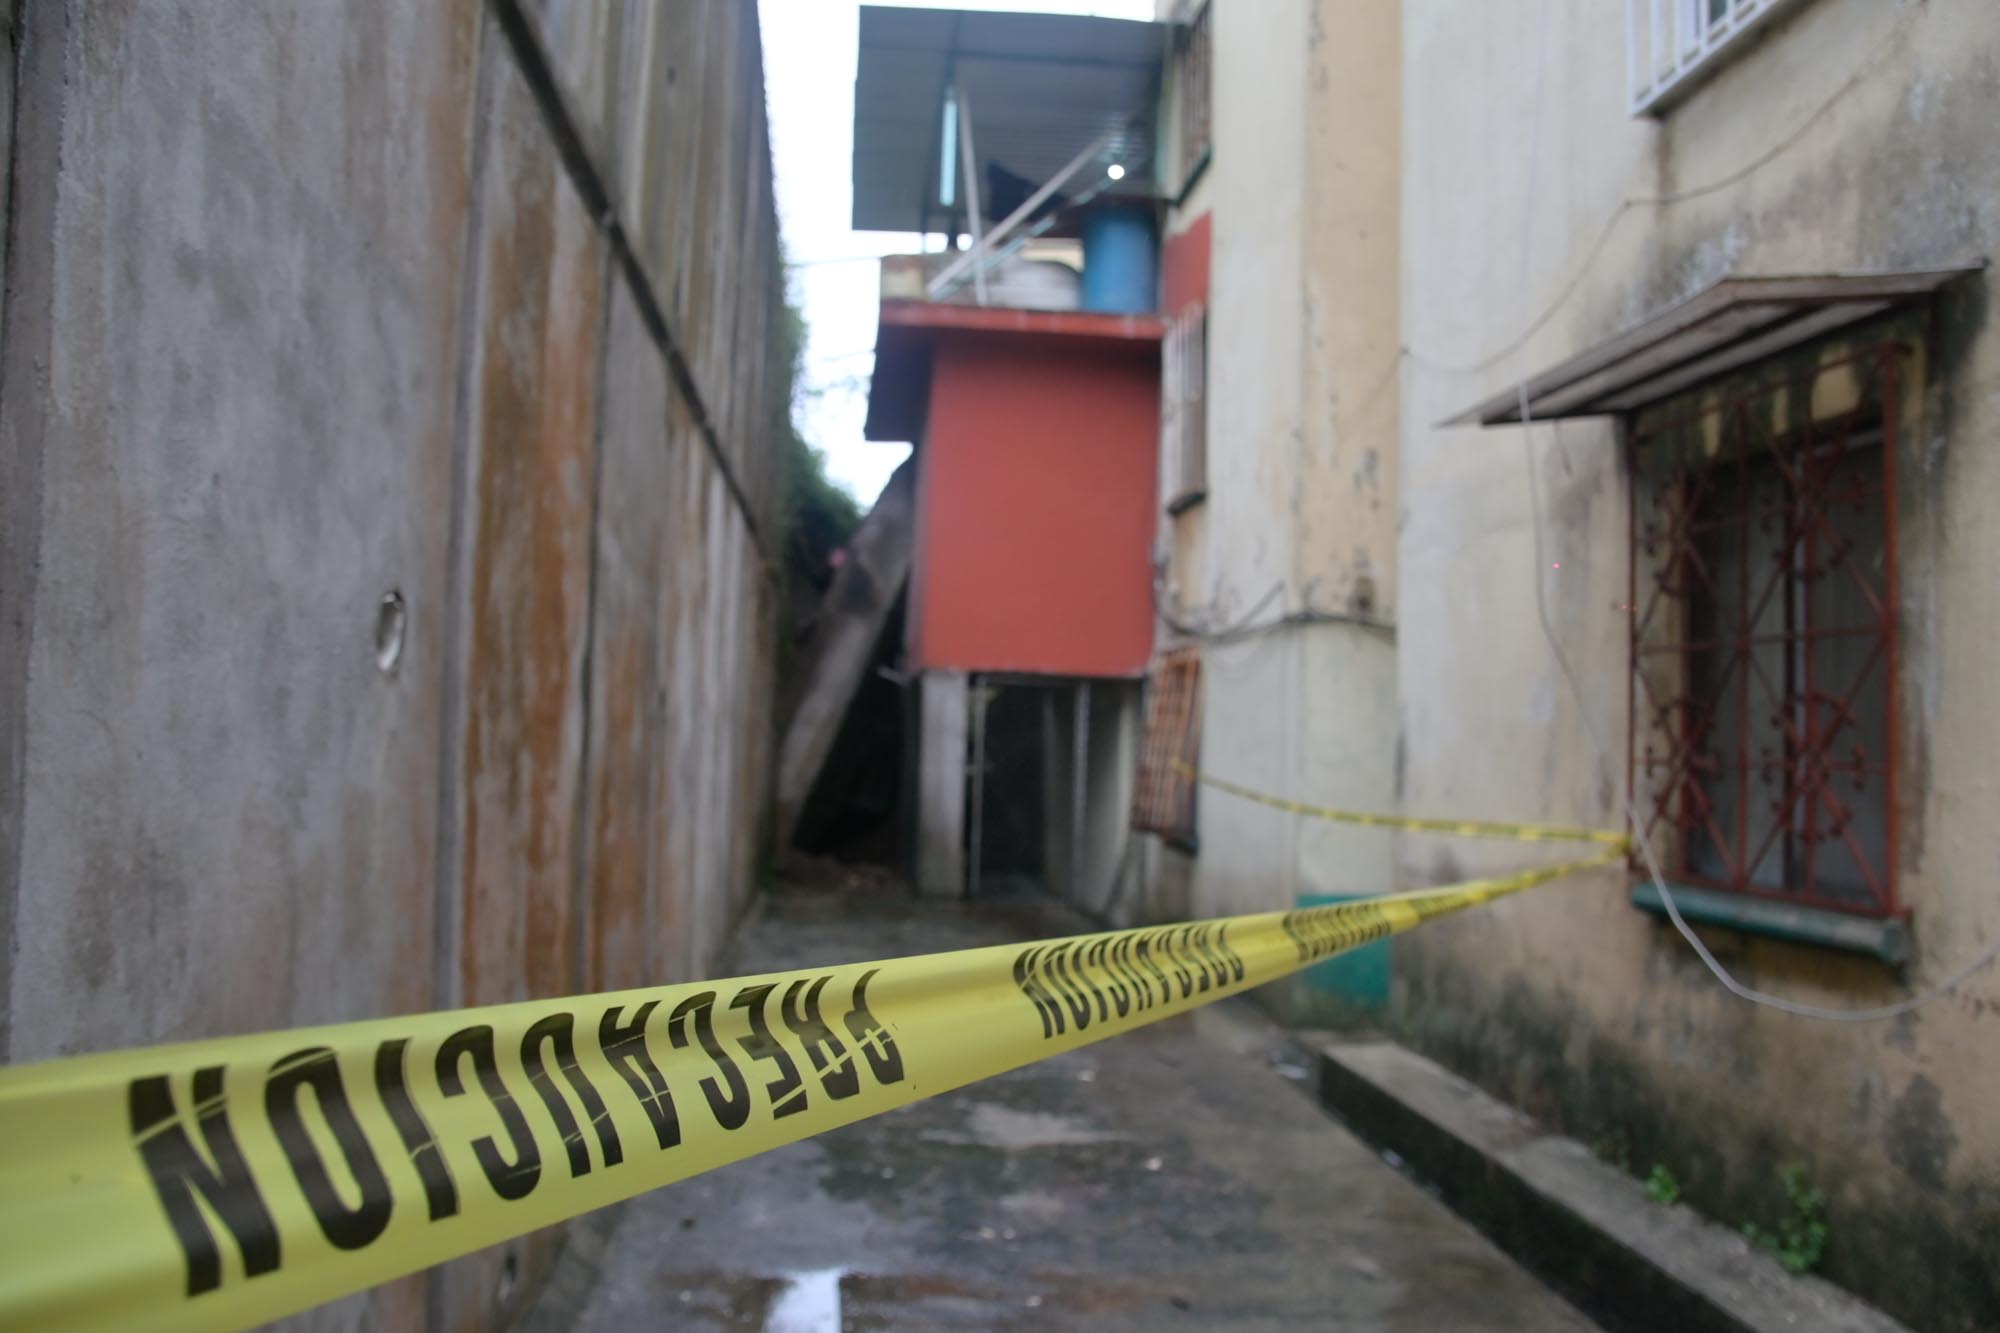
[[1358, 980]]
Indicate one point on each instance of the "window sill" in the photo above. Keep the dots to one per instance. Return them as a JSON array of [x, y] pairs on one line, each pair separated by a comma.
[[1886, 939], [1186, 500]]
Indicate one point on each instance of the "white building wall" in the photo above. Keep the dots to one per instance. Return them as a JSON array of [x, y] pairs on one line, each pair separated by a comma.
[[1853, 136]]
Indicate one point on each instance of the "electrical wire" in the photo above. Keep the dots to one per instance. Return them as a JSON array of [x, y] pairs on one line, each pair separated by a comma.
[[1248, 627], [1869, 1014], [1636, 201]]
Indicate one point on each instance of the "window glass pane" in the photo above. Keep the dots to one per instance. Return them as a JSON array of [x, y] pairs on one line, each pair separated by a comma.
[[1850, 696]]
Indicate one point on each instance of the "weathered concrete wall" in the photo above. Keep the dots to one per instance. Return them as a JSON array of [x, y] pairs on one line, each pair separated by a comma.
[[1853, 136], [386, 438], [1300, 518]]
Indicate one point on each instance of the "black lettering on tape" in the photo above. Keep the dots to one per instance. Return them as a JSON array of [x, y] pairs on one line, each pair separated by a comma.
[[1229, 954], [1176, 950], [1072, 990], [731, 1110], [418, 1141], [1102, 983], [556, 1030], [510, 1180], [1204, 963], [786, 1092], [1124, 996], [347, 1228], [1293, 931], [874, 1040], [838, 1073], [180, 1172], [1088, 958], [1028, 977], [1143, 952], [1216, 967], [1197, 959], [624, 1046], [1114, 983]]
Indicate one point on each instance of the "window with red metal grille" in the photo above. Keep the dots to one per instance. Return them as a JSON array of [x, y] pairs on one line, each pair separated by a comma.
[[1764, 637], [1163, 798]]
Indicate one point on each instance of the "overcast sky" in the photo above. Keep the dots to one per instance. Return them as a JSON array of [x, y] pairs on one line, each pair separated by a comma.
[[809, 51]]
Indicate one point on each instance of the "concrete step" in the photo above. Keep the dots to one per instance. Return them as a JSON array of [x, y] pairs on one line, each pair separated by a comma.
[[1584, 1227]]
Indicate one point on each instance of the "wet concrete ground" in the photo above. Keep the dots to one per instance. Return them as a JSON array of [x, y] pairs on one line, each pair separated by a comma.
[[1172, 1178]]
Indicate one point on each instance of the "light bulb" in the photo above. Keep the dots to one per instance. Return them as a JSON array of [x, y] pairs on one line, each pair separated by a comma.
[[1115, 172]]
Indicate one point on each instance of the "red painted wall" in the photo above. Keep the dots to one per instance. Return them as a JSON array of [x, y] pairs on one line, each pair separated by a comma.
[[1036, 491]]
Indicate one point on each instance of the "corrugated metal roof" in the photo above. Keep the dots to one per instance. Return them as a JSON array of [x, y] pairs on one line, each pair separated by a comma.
[[1042, 87], [1725, 326]]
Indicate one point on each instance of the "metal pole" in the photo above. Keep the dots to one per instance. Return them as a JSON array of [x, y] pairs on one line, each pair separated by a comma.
[[968, 162], [978, 779], [946, 277], [1079, 789]]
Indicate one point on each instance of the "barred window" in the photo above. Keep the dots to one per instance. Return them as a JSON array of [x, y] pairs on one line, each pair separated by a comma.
[[1163, 797], [1670, 45], [1764, 640]]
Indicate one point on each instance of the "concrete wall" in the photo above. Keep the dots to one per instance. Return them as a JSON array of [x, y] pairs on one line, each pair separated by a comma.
[[1299, 522], [386, 431], [1853, 136]]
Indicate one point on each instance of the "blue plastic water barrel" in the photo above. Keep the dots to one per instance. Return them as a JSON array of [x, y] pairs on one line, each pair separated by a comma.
[[1121, 260]]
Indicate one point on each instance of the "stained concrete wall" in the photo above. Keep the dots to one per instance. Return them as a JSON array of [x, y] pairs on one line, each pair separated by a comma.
[[472, 305], [1852, 136], [1298, 527]]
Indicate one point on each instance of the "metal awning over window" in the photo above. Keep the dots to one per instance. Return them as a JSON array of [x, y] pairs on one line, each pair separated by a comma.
[[1731, 324]]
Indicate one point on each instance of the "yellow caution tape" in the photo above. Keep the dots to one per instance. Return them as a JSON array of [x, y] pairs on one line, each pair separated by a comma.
[[1465, 828], [219, 1184]]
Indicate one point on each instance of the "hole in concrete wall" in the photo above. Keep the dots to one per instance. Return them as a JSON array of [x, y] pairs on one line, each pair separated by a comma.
[[509, 1274], [390, 621]]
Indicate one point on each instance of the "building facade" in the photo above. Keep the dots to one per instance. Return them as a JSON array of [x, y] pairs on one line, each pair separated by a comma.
[[388, 420], [1729, 257], [1276, 554], [1769, 570]]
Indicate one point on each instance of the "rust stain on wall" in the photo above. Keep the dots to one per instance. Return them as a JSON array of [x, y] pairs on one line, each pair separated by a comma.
[[543, 287]]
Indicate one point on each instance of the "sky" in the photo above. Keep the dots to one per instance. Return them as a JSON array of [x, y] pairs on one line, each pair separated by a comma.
[[809, 54]]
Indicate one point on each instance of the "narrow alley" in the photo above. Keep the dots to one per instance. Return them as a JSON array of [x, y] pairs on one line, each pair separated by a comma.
[[1176, 1177], [812, 666]]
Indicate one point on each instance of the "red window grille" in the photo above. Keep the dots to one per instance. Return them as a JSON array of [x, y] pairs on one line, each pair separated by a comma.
[[1763, 637], [1163, 796]]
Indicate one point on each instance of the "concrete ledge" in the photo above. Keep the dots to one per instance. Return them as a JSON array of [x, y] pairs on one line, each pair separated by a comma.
[[1582, 1226]]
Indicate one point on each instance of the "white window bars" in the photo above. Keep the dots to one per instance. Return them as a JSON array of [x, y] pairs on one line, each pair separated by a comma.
[[1671, 44]]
